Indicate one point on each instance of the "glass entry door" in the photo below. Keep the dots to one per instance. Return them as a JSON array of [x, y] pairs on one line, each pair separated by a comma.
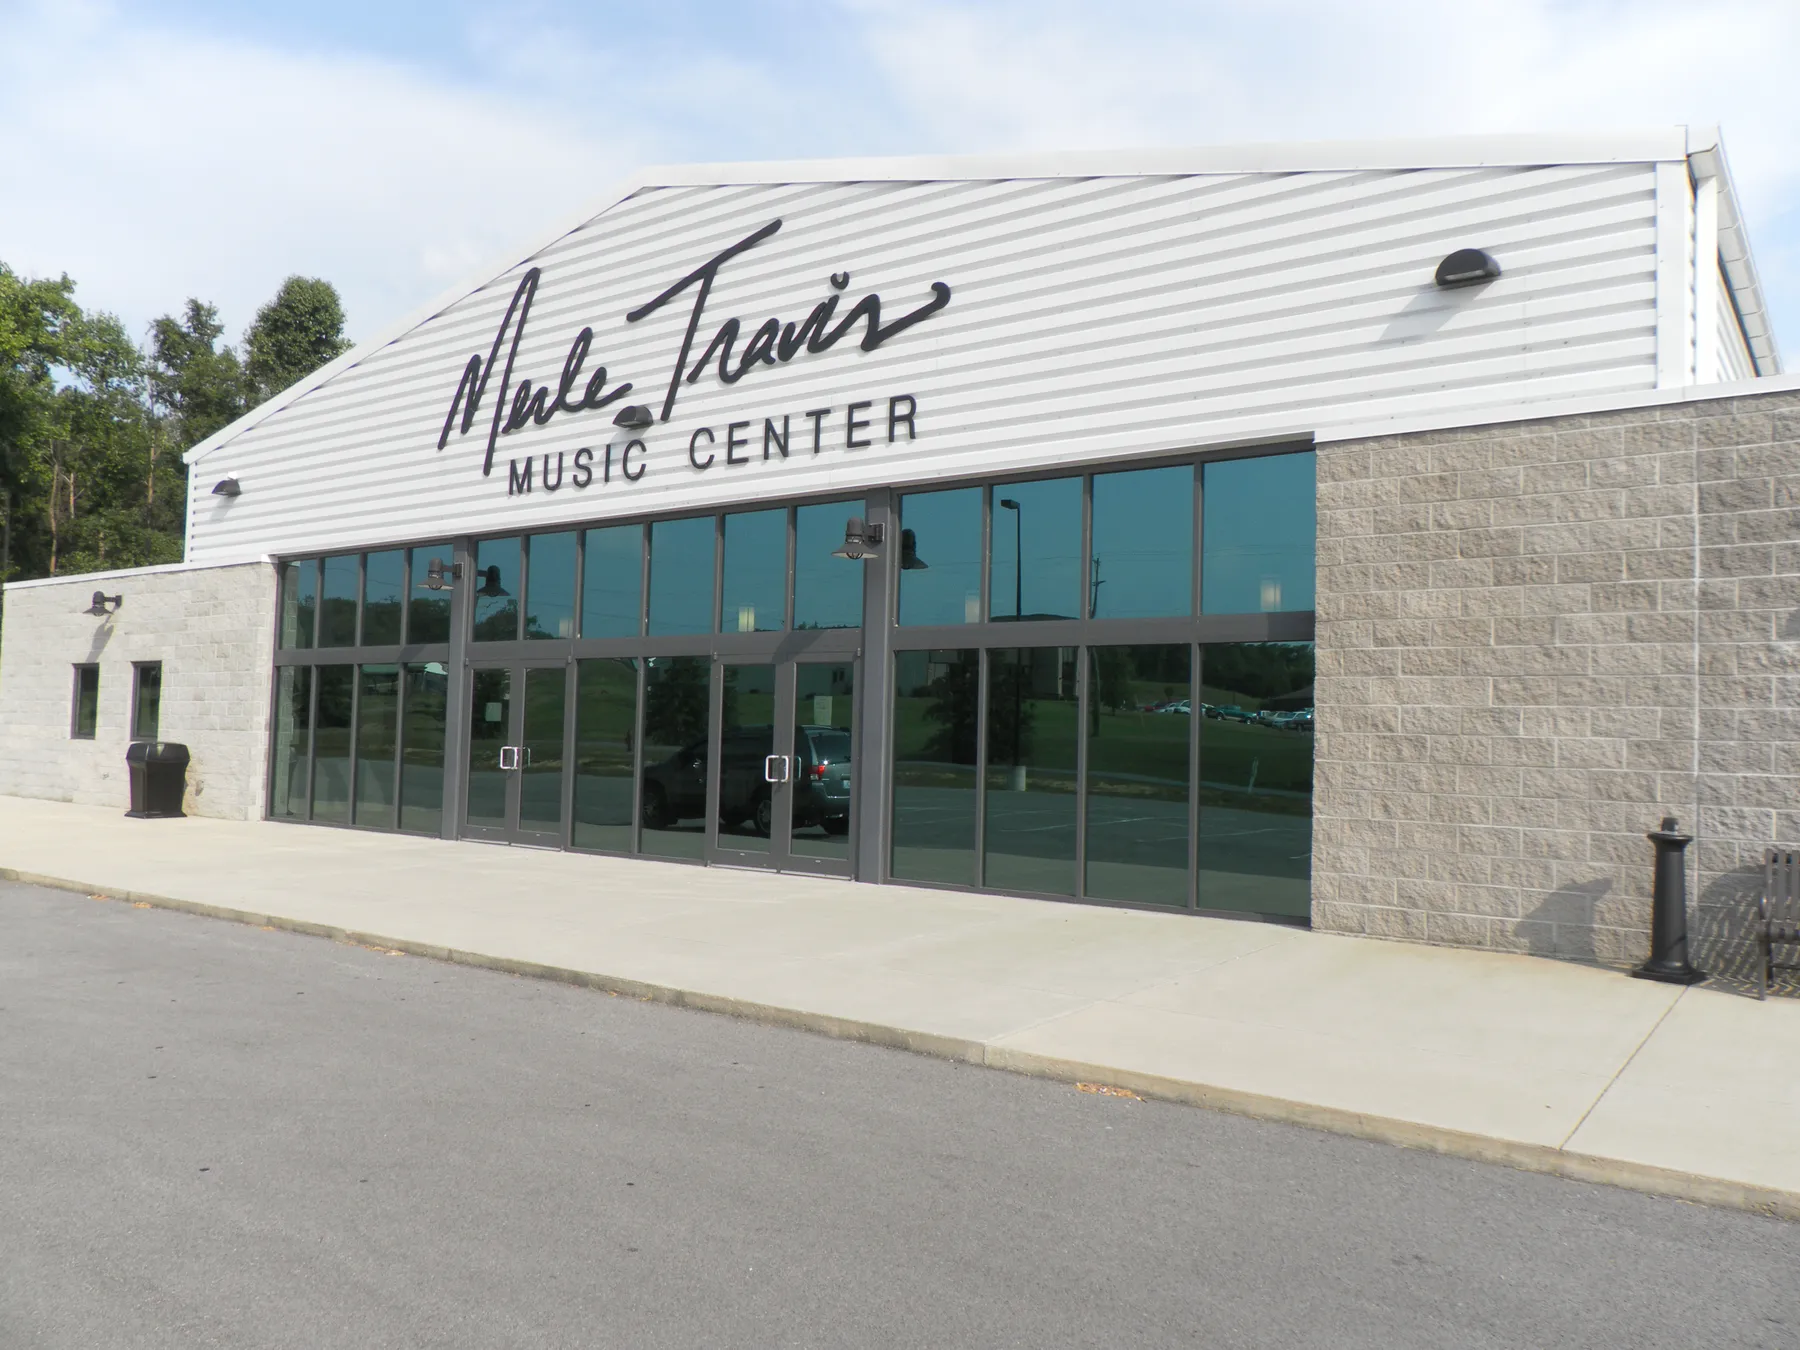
[[782, 743], [517, 741]]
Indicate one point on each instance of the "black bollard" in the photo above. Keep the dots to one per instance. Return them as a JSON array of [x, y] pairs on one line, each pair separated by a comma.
[[1668, 914]]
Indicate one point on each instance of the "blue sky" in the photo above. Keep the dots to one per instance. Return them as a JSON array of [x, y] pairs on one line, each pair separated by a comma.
[[167, 148]]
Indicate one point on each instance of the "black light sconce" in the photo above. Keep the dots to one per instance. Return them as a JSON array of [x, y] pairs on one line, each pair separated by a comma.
[[442, 576], [633, 417], [910, 561], [861, 539], [227, 487], [104, 604], [1466, 267], [490, 584]]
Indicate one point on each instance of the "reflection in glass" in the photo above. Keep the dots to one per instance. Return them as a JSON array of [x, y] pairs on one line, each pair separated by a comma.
[[673, 800], [1259, 524], [746, 740], [1138, 727], [605, 733], [828, 591], [824, 697], [945, 529], [146, 701], [1029, 802], [1256, 767], [937, 706], [293, 728], [496, 590], [490, 727], [299, 603], [384, 588], [550, 586], [377, 726], [612, 582], [1143, 548], [541, 749], [1035, 565], [754, 589], [337, 605], [681, 576], [425, 720], [428, 613], [331, 743]]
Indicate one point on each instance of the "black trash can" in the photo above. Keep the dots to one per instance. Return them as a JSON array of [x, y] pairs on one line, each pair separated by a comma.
[[158, 773]]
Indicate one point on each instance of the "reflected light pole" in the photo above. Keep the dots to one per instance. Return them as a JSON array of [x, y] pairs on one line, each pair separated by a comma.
[[1018, 511]]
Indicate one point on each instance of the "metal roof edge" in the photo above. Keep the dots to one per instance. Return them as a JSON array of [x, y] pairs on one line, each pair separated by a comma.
[[1706, 159], [1526, 411]]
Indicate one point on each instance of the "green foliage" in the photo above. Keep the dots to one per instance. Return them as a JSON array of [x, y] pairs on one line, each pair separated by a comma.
[[92, 428], [294, 334]]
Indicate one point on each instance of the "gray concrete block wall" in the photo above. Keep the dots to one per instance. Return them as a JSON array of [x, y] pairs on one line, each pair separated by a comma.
[[1534, 640], [212, 628]]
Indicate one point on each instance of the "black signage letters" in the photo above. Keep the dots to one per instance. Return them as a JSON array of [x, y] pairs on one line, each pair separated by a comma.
[[693, 441]]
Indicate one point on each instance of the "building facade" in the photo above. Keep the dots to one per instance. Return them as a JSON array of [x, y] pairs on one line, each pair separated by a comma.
[[1044, 526]]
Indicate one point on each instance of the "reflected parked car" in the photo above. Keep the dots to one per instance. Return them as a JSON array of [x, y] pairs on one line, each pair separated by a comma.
[[675, 789], [1230, 712]]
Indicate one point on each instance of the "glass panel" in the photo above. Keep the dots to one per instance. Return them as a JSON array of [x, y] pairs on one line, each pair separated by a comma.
[[940, 551], [541, 757], [1035, 567], [605, 732], [428, 613], [293, 723], [1031, 746], [1259, 524], [612, 582], [146, 701], [550, 587], [337, 605], [377, 725], [746, 740], [824, 698], [681, 575], [828, 591], [490, 725], [754, 598], [1256, 765], [1137, 774], [331, 744], [87, 702], [384, 591], [936, 711], [1143, 551], [673, 802], [422, 737], [299, 603], [497, 590]]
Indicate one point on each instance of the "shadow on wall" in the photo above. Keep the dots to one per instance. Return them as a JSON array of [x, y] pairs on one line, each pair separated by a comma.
[[1562, 925], [1722, 941]]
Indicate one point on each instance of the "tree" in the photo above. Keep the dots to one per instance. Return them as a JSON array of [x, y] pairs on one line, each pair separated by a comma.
[[32, 317], [293, 335], [200, 384]]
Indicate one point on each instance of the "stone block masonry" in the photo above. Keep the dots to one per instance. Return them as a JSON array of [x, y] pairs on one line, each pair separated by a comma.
[[213, 630], [1534, 640]]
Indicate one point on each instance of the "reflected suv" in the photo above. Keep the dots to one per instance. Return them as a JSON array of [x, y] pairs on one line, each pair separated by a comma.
[[675, 788]]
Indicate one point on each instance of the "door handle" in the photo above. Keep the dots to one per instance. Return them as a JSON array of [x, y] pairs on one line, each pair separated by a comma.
[[509, 757], [526, 750], [770, 764]]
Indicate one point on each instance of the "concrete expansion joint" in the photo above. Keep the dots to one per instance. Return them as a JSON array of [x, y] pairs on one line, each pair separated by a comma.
[[1556, 1160]]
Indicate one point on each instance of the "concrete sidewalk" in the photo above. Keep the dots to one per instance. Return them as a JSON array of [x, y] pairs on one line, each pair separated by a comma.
[[1553, 1067]]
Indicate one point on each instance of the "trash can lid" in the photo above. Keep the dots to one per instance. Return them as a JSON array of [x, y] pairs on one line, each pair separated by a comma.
[[156, 752]]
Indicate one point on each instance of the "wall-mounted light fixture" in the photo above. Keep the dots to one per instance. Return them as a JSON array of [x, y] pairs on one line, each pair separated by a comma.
[[1466, 267], [633, 417], [227, 487], [103, 604], [861, 539], [490, 584], [442, 576]]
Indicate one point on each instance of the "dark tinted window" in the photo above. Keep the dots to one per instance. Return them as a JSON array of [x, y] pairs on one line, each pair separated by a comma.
[[497, 590], [146, 701], [612, 582], [940, 578], [1260, 522], [754, 582], [1034, 564], [86, 714], [428, 613], [1139, 728], [550, 586], [681, 575], [384, 588], [828, 591], [337, 605], [1142, 565], [299, 603], [937, 709]]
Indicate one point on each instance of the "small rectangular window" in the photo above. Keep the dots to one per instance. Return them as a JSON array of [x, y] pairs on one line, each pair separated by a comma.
[[146, 700], [87, 703]]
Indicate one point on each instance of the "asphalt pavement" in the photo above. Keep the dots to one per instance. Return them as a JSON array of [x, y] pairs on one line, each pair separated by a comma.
[[216, 1135]]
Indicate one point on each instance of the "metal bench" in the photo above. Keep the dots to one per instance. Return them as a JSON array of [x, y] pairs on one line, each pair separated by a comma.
[[1778, 909]]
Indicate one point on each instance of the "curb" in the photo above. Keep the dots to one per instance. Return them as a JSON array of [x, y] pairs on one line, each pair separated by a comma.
[[1586, 1167]]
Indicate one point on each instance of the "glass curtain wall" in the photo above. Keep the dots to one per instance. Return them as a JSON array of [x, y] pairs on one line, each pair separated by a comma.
[[1148, 762]]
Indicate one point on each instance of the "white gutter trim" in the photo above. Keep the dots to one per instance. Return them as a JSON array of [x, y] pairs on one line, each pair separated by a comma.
[[1706, 159]]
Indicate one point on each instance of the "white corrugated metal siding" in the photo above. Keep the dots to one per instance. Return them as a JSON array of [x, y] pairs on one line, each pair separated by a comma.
[[1090, 318]]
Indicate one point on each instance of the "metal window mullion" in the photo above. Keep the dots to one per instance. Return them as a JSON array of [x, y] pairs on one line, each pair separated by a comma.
[[644, 560], [981, 774], [1083, 692], [312, 734], [718, 595], [1196, 577], [356, 671], [986, 581], [635, 837], [399, 738], [791, 612], [571, 707], [1195, 675], [1085, 579]]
